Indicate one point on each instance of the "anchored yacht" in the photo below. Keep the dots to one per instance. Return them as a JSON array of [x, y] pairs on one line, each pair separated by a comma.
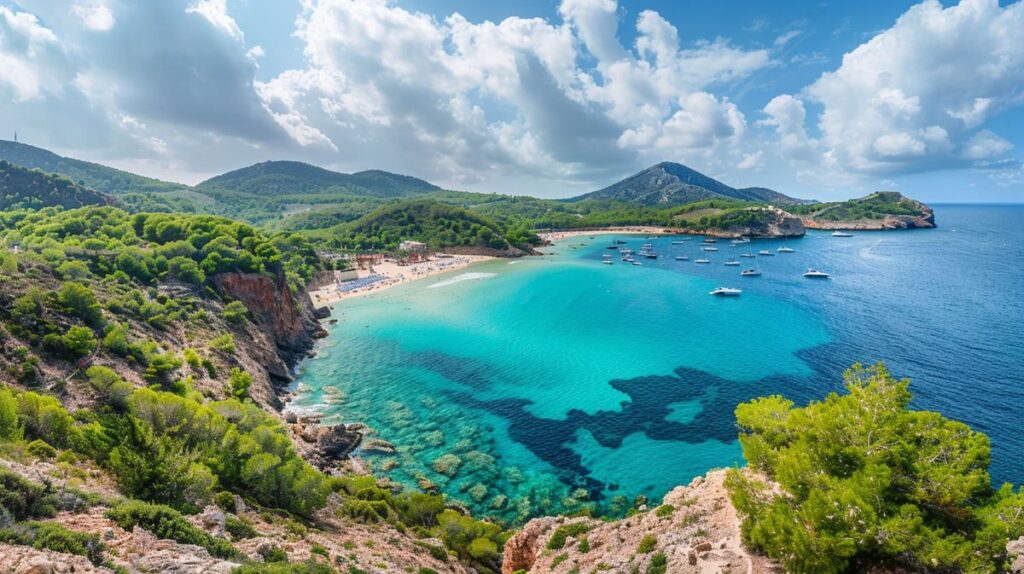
[[815, 274]]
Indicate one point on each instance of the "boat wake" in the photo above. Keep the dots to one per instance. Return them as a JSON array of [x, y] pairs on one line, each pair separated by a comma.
[[461, 278]]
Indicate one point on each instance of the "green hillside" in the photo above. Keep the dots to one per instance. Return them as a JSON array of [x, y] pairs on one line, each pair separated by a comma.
[[437, 224], [28, 188], [875, 206]]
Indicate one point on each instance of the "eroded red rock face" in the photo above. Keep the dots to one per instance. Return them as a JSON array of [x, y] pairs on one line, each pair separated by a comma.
[[288, 319]]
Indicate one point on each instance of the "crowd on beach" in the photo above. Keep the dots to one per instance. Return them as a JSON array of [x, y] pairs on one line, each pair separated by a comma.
[[389, 273]]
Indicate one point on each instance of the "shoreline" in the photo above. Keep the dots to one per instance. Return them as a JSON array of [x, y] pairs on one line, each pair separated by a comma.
[[393, 274], [633, 229]]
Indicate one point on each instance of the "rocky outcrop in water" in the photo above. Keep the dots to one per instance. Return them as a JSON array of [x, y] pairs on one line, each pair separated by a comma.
[[324, 446]]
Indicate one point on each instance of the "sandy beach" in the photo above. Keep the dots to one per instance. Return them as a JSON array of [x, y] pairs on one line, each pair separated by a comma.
[[391, 274], [641, 229]]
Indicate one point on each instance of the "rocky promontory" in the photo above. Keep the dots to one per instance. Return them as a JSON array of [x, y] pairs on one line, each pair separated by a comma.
[[694, 530], [881, 210]]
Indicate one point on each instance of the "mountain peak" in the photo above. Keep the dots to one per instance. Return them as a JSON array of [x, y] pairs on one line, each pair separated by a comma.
[[670, 183]]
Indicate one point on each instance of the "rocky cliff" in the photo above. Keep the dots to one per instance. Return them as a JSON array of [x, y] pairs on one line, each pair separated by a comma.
[[695, 530], [290, 320]]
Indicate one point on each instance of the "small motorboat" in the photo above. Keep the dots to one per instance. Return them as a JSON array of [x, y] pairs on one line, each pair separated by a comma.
[[765, 253], [682, 258], [709, 248], [636, 263], [748, 254], [750, 273], [679, 241], [703, 261], [607, 259], [709, 240], [785, 250], [619, 242], [726, 292], [732, 263], [838, 233], [612, 247], [815, 274]]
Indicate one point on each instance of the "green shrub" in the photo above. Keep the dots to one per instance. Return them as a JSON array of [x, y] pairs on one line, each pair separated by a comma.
[[225, 501], [272, 554], [866, 479], [165, 522], [43, 417], [647, 544], [235, 313], [239, 529], [469, 538], [573, 529], [75, 343], [40, 449], [224, 343], [10, 424], [79, 301], [22, 499], [161, 366], [53, 536], [239, 382], [584, 545], [664, 510], [659, 564]]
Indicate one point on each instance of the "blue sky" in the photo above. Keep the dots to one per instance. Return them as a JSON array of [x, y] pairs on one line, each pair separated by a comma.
[[549, 98]]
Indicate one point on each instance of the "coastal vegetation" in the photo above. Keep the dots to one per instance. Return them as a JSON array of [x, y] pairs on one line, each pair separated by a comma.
[[860, 479], [874, 206]]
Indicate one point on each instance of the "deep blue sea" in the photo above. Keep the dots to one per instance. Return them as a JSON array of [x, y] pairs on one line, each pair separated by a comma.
[[540, 384]]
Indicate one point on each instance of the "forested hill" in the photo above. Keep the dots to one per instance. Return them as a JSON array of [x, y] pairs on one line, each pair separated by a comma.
[[92, 175], [670, 183], [27, 188], [439, 225], [292, 177]]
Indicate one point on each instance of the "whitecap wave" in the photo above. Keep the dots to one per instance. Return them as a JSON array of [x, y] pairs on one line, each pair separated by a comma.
[[461, 278]]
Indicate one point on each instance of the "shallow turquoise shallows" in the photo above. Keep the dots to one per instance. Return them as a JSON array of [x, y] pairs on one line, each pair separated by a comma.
[[541, 384]]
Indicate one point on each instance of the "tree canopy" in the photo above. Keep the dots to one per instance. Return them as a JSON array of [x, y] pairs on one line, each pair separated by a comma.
[[861, 478]]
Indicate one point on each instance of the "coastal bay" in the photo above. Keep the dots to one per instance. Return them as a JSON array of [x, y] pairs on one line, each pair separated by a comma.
[[470, 377]]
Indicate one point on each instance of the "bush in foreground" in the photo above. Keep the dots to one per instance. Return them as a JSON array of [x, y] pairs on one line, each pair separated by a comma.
[[165, 522], [865, 480]]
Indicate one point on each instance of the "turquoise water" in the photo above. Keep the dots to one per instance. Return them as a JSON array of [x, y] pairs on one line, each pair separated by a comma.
[[556, 381]]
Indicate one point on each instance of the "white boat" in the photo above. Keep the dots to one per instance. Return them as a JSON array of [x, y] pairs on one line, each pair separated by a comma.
[[748, 254], [726, 292], [838, 233], [785, 250], [702, 261], [708, 240], [765, 253], [636, 263], [679, 241], [682, 258], [607, 259], [732, 263], [709, 248], [750, 273], [815, 274]]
